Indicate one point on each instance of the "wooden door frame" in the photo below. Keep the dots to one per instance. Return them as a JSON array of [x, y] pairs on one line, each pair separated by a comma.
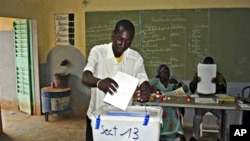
[[36, 98]]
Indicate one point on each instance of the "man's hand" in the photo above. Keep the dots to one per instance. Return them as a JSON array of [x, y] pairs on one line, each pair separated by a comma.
[[143, 92], [197, 79], [107, 85], [214, 80]]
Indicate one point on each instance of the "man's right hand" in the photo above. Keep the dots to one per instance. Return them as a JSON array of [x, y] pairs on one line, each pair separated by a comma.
[[197, 79], [108, 85]]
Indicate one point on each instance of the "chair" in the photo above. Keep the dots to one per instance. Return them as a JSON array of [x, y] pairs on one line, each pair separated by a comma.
[[245, 91], [208, 129], [246, 114]]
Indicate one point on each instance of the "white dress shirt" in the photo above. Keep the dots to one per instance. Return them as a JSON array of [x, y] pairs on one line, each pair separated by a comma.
[[102, 63]]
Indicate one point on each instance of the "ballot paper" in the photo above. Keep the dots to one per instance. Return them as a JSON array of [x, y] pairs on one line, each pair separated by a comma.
[[204, 100], [127, 86], [206, 72], [177, 92]]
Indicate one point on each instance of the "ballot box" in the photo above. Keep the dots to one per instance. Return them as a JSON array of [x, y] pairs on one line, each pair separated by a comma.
[[136, 123]]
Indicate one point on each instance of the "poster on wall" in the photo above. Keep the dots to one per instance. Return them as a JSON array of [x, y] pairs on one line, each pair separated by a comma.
[[64, 28]]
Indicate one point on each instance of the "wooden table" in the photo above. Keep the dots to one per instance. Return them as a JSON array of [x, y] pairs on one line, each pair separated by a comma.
[[241, 109], [179, 101], [55, 100]]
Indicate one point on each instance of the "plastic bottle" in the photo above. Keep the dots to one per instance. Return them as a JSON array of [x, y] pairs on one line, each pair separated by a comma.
[[52, 85]]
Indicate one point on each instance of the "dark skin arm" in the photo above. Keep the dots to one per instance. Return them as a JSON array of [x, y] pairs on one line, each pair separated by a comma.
[[105, 85], [143, 92], [174, 81], [109, 85], [193, 83]]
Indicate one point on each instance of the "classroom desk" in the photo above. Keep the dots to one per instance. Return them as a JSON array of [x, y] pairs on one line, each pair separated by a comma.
[[181, 102], [241, 109]]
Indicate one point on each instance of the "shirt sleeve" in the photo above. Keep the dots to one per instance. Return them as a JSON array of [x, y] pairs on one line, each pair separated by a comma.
[[221, 80], [92, 60], [140, 70]]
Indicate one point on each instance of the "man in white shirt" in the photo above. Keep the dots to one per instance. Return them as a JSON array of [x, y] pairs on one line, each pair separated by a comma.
[[105, 61]]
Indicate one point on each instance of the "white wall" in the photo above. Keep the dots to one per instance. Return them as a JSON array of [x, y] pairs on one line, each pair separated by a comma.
[[8, 96]]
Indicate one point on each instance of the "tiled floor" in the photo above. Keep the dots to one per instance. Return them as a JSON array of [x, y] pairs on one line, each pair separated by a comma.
[[19, 126]]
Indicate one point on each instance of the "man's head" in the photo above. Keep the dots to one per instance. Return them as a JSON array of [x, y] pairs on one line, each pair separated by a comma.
[[208, 60], [122, 36]]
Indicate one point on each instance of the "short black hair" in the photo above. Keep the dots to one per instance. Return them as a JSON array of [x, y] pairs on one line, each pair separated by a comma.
[[208, 60], [124, 24]]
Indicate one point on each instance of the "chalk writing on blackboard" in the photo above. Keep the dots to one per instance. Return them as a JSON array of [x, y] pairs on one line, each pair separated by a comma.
[[162, 37], [187, 35], [170, 38]]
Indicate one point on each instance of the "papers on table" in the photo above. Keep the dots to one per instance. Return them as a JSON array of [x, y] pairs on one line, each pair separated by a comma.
[[127, 85], [206, 72], [204, 100], [222, 97], [177, 92], [194, 95], [243, 105], [225, 97]]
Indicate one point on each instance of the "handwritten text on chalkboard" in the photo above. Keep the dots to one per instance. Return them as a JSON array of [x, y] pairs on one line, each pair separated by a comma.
[[175, 38]]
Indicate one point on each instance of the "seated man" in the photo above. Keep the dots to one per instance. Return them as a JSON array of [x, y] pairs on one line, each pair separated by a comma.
[[221, 87]]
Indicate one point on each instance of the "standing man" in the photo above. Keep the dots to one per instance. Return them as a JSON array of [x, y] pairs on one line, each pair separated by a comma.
[[105, 61], [221, 87]]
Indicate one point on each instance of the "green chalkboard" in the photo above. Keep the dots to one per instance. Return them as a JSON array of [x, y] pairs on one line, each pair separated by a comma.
[[182, 38], [99, 27]]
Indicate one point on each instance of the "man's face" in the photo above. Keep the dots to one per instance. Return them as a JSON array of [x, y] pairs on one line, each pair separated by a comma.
[[121, 41], [208, 62]]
